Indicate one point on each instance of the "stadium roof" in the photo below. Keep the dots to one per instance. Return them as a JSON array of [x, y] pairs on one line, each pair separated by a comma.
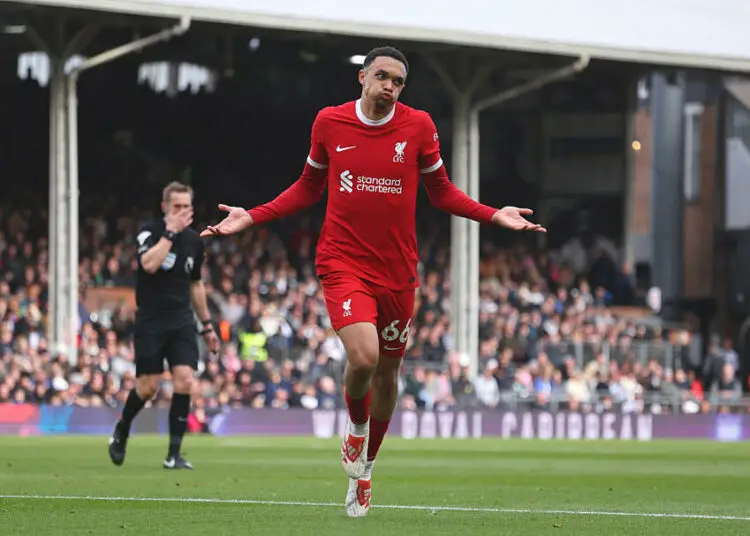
[[700, 34]]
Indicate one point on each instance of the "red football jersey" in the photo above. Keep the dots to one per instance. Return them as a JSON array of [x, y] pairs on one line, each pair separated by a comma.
[[372, 170]]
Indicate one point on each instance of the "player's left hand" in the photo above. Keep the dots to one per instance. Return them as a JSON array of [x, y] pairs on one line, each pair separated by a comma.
[[513, 218], [212, 341]]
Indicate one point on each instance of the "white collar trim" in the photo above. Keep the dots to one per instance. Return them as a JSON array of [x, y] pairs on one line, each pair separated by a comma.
[[369, 122]]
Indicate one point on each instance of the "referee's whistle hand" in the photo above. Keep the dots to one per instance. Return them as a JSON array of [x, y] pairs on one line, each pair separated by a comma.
[[178, 221]]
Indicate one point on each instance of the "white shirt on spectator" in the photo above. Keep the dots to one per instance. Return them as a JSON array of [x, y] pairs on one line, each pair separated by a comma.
[[578, 390], [487, 391]]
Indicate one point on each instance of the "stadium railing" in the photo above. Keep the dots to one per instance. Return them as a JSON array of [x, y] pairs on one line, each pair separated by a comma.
[[668, 355]]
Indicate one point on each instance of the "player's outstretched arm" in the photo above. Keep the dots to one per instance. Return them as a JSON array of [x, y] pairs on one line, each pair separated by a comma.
[[445, 196], [304, 193]]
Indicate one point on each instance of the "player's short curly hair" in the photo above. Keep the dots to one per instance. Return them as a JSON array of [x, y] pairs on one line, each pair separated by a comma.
[[387, 52]]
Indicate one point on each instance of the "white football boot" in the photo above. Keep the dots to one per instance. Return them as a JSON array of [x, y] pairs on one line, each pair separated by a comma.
[[358, 497], [354, 450]]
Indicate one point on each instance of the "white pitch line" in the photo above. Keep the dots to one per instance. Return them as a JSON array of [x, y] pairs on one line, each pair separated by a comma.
[[383, 506]]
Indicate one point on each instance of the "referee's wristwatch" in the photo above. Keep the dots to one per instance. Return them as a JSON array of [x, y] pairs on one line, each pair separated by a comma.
[[169, 235], [207, 327]]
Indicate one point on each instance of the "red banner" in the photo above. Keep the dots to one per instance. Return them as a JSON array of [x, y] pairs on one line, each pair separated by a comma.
[[19, 419]]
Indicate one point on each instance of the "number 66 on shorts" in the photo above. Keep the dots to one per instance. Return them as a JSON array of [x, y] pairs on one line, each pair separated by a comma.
[[350, 299], [395, 338]]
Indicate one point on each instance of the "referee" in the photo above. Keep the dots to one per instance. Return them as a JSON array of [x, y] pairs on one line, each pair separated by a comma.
[[170, 257]]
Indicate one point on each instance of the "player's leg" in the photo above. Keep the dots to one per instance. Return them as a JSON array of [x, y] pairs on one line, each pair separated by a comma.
[[182, 356], [361, 343], [149, 365], [353, 312], [395, 310], [384, 396], [384, 399]]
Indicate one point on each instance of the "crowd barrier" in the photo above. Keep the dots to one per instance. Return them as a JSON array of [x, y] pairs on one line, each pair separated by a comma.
[[25, 420]]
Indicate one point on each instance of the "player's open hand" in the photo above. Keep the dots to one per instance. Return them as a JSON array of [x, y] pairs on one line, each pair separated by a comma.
[[237, 220], [513, 218]]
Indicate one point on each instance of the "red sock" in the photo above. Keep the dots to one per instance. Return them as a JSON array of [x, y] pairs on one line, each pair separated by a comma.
[[377, 433], [359, 408]]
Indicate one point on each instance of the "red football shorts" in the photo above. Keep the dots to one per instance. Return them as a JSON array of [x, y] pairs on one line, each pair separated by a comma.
[[350, 300]]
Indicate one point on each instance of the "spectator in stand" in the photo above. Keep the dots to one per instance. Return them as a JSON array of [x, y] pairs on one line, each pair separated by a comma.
[[726, 390], [486, 386]]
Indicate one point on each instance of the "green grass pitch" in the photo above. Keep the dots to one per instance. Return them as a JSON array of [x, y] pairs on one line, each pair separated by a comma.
[[295, 486]]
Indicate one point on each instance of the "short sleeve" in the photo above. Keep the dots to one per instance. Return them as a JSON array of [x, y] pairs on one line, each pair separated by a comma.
[[145, 239], [318, 157], [429, 150], [195, 273]]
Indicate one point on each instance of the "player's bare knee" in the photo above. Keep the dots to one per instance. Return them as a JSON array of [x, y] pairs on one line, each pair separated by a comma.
[[361, 344], [362, 360], [363, 357]]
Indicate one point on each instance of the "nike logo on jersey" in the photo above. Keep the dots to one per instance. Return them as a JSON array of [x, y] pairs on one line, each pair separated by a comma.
[[340, 149]]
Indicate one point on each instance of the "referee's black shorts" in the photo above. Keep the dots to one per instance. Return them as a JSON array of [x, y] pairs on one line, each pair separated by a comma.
[[156, 340]]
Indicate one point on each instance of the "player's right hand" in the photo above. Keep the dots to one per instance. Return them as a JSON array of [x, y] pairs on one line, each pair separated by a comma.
[[177, 222], [237, 220]]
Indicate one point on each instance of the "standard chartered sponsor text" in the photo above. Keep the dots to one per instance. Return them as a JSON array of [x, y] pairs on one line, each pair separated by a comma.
[[380, 185]]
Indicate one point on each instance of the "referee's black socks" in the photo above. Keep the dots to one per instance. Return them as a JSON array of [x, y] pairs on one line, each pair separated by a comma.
[[178, 414], [133, 406]]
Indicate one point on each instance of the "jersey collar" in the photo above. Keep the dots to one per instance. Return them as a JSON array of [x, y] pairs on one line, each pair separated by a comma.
[[369, 122]]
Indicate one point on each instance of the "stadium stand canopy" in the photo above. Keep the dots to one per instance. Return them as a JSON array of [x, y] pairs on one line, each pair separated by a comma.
[[639, 30]]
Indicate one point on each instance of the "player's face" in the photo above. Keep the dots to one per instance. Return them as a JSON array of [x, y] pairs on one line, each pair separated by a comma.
[[383, 81], [177, 202]]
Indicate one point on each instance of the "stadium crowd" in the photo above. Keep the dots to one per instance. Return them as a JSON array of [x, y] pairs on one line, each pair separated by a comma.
[[545, 324]]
